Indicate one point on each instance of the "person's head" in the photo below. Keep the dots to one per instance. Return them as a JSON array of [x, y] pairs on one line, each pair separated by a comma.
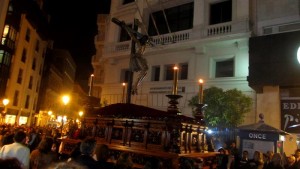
[[20, 137], [221, 151], [270, 154], [46, 144], [245, 154], [102, 152], [297, 153], [10, 163], [233, 145], [124, 161], [258, 156], [88, 146], [277, 159], [291, 160]]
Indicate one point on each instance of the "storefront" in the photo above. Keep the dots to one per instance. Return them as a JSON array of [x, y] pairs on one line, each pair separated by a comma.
[[262, 137]]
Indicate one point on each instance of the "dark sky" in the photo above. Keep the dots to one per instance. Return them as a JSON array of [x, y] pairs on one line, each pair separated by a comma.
[[73, 26]]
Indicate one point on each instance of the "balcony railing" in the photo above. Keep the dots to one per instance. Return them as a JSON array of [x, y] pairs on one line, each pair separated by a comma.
[[228, 28]]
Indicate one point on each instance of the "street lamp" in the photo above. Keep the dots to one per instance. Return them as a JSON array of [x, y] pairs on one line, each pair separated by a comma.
[[65, 100], [80, 114], [5, 103]]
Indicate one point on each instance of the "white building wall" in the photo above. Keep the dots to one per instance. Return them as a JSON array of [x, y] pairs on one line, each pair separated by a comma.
[[200, 51]]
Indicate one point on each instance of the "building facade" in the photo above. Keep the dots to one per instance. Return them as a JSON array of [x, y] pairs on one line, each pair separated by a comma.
[[273, 66], [24, 45], [205, 39]]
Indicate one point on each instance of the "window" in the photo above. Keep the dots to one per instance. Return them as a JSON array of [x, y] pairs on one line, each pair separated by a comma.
[[20, 76], [220, 12], [16, 98], [33, 64], [37, 87], [125, 75], [9, 37], [5, 57], [169, 72], [183, 71], [124, 35], [155, 73], [30, 82], [37, 45], [127, 1], [24, 53], [178, 18], [27, 36], [27, 102], [225, 68]]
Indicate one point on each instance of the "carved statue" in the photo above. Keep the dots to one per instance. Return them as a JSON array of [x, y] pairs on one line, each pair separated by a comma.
[[137, 62]]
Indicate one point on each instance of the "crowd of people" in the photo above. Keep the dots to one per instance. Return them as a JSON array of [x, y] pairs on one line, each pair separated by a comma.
[[229, 158], [38, 148], [23, 147]]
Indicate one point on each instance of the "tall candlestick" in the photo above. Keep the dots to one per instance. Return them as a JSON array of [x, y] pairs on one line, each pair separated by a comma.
[[123, 93], [174, 92], [200, 91], [91, 84]]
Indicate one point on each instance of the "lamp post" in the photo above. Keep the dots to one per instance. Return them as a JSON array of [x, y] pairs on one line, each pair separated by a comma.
[[5, 103], [80, 115], [65, 100], [50, 115]]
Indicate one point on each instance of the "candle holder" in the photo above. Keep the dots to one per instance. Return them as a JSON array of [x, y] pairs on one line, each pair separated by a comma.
[[199, 115], [172, 108]]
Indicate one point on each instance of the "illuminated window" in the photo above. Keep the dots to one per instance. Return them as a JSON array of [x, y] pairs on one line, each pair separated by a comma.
[[5, 57], [220, 12], [225, 68]]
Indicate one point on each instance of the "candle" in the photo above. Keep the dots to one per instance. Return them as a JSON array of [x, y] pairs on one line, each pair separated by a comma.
[[200, 91], [91, 84], [123, 94], [174, 92]]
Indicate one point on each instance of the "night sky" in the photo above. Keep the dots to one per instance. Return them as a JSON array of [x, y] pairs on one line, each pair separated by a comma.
[[73, 26]]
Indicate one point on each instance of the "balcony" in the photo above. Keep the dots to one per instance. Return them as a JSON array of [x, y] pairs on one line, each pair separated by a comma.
[[191, 35]]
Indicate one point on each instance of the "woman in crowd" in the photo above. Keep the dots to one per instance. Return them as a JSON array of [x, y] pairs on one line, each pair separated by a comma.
[[275, 163], [43, 156], [257, 162]]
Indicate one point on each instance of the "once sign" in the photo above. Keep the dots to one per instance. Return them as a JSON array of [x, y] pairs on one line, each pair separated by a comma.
[[257, 136]]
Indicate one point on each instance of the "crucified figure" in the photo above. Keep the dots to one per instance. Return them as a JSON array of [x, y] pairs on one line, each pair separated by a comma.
[[137, 62]]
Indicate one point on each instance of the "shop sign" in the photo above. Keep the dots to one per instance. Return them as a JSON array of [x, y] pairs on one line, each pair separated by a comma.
[[290, 115]]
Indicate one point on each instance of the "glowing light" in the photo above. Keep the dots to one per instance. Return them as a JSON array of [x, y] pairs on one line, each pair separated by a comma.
[[298, 54]]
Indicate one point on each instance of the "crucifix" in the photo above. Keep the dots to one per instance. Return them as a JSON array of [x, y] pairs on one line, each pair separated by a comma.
[[137, 62]]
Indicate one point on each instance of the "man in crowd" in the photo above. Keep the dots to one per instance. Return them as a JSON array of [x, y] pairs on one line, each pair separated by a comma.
[[17, 149]]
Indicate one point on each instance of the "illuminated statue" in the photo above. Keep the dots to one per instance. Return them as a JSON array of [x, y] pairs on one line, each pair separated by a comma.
[[137, 62]]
